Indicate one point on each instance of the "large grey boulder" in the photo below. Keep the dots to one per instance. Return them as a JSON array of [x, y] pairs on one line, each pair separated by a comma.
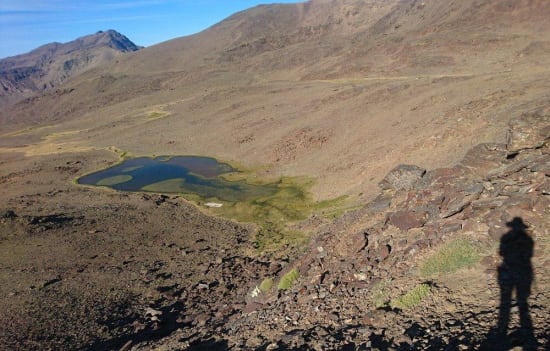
[[402, 177]]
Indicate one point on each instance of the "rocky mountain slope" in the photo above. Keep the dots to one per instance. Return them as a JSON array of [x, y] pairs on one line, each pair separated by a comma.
[[359, 266], [103, 270], [319, 88], [430, 117], [50, 65]]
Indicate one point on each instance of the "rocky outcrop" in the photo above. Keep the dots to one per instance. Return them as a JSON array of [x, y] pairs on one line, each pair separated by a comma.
[[332, 305], [402, 177]]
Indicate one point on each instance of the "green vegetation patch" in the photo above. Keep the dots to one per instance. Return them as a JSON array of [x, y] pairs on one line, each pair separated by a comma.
[[334, 208], [156, 114], [118, 179], [450, 257], [288, 280], [288, 201], [174, 185], [131, 169], [379, 293], [266, 285], [412, 298], [275, 205]]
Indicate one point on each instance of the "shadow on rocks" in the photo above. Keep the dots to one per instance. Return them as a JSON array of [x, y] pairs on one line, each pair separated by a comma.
[[150, 333], [342, 340], [514, 274], [209, 345]]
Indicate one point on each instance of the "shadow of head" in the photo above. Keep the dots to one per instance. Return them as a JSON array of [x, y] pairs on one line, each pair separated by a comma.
[[517, 224]]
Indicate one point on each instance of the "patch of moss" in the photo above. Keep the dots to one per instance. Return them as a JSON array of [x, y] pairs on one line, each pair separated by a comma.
[[288, 280], [156, 114], [118, 179], [450, 257], [333, 208], [288, 201], [266, 285], [412, 298], [379, 293], [130, 169], [166, 186], [273, 204]]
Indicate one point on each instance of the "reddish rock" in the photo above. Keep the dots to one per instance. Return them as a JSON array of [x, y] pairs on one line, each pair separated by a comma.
[[352, 245], [542, 165], [489, 203], [406, 220], [451, 227], [442, 177], [384, 252], [482, 158], [457, 202], [524, 202], [514, 167]]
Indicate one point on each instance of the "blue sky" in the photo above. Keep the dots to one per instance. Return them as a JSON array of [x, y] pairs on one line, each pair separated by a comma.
[[27, 24]]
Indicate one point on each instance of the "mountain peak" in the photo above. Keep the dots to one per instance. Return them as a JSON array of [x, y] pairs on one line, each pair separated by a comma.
[[112, 39], [53, 63]]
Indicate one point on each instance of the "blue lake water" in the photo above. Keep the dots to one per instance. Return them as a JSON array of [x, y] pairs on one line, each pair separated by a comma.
[[179, 174]]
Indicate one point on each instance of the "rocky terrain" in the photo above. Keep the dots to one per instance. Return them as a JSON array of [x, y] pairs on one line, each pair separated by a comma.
[[88, 277], [50, 65], [431, 118]]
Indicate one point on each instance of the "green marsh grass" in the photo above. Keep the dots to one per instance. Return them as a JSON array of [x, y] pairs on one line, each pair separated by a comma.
[[288, 280], [266, 285], [412, 298], [118, 179], [450, 257], [275, 205]]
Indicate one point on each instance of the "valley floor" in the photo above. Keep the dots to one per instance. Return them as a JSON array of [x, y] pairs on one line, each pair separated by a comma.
[[87, 268]]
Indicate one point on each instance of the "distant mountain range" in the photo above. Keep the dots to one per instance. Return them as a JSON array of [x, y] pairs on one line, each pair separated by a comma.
[[324, 87], [51, 64]]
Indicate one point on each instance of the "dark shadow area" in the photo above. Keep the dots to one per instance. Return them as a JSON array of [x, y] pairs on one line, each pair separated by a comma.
[[514, 274], [149, 333], [209, 345]]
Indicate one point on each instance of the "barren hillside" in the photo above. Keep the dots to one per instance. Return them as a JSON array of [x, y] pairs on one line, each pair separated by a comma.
[[336, 90], [428, 119]]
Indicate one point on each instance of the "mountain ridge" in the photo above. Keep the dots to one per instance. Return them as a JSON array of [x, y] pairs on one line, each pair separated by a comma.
[[428, 121], [311, 81], [51, 64]]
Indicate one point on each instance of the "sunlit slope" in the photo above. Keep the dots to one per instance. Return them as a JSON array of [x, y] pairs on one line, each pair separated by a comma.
[[341, 91]]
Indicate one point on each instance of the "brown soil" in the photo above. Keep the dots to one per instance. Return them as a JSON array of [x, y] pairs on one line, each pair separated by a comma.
[[337, 91]]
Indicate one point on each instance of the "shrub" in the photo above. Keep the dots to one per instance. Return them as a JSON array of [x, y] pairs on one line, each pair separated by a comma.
[[451, 257], [288, 279], [412, 298], [378, 293], [266, 285]]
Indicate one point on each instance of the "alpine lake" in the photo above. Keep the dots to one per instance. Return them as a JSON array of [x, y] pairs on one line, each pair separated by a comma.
[[227, 191]]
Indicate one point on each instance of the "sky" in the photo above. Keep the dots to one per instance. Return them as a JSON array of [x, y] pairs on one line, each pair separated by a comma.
[[28, 24]]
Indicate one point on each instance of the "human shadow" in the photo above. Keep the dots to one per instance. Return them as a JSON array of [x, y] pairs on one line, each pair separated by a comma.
[[514, 274]]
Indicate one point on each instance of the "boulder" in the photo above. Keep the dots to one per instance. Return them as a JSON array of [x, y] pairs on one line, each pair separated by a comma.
[[541, 164], [406, 220], [457, 176], [456, 201], [353, 244], [484, 157], [528, 132], [402, 177]]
